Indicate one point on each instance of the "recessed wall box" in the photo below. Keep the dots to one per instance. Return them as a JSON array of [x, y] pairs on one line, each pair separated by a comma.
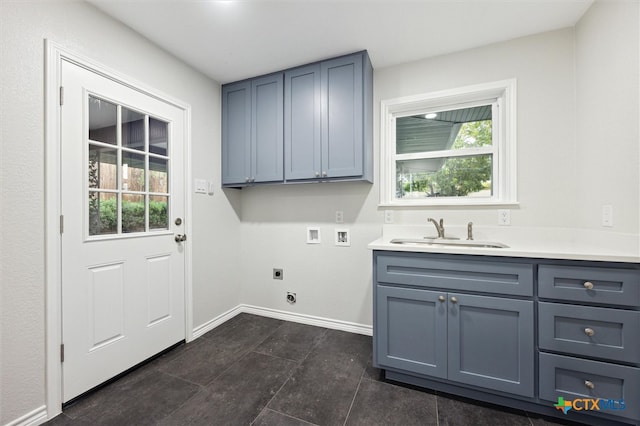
[[313, 235], [342, 237]]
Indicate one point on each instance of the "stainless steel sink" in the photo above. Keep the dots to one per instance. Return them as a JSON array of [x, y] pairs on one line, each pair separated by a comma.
[[448, 243]]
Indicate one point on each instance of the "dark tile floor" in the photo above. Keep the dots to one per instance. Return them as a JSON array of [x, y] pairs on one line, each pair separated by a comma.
[[262, 371]]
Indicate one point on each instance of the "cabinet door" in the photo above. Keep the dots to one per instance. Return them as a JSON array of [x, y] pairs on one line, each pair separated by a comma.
[[302, 123], [411, 330], [491, 343], [236, 133], [342, 117], [267, 128]]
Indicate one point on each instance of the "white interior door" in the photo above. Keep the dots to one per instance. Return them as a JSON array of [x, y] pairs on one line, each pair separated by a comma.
[[122, 203]]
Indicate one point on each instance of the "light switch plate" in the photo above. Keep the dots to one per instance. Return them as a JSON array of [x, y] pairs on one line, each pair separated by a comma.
[[200, 186]]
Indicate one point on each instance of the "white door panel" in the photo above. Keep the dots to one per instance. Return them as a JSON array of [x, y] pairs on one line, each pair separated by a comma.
[[122, 191]]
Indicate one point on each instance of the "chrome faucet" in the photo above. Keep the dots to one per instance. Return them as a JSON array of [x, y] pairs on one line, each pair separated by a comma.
[[439, 226]]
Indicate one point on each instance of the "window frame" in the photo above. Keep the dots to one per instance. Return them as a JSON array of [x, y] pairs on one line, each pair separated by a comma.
[[501, 94]]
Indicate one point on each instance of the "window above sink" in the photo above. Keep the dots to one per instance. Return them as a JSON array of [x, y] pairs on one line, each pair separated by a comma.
[[453, 147]]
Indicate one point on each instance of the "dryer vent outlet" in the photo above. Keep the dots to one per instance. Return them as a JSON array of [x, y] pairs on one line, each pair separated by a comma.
[[291, 297]]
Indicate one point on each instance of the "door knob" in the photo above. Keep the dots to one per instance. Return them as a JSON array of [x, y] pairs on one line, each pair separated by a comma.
[[180, 238]]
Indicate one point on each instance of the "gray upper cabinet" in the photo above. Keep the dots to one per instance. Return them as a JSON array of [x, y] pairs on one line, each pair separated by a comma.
[[236, 133], [252, 133], [266, 125], [302, 137], [309, 123], [328, 120]]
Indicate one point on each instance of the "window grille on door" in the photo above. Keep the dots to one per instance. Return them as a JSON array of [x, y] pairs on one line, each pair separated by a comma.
[[128, 170]]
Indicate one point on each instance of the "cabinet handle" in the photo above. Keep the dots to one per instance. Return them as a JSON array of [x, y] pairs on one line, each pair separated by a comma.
[[324, 174], [247, 179], [589, 384], [317, 174], [454, 299], [588, 285], [589, 331], [441, 298]]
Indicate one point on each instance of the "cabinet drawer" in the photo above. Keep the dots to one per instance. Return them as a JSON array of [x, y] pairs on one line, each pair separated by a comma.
[[590, 284], [464, 274], [572, 378], [584, 330]]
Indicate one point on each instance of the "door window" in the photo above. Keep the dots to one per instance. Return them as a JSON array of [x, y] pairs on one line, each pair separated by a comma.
[[128, 170]]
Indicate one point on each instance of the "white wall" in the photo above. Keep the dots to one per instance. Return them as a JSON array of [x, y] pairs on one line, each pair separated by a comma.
[[568, 163], [335, 282], [608, 147], [239, 236], [24, 25]]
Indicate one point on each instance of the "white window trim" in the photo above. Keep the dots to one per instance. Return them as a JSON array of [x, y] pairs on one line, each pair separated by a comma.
[[504, 162]]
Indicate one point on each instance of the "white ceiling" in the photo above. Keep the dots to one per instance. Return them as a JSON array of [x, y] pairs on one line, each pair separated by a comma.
[[236, 39]]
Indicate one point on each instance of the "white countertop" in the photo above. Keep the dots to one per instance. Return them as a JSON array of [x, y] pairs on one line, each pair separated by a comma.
[[547, 243]]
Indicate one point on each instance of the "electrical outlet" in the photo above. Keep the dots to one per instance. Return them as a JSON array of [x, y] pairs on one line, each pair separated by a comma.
[[607, 215], [504, 217], [339, 216], [388, 216], [278, 274]]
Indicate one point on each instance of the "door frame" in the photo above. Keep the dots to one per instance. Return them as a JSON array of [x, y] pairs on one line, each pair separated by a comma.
[[54, 55]]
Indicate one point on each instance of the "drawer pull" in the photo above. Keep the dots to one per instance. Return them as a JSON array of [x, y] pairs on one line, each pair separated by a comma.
[[454, 299], [588, 285], [441, 298], [589, 384], [589, 331]]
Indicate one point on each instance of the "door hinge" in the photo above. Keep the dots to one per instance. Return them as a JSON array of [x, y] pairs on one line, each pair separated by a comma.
[[62, 352], [61, 95], [61, 224]]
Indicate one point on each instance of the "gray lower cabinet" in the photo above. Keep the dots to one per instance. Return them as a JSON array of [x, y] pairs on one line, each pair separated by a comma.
[[252, 133], [452, 335], [498, 329], [518, 332], [589, 336], [412, 330]]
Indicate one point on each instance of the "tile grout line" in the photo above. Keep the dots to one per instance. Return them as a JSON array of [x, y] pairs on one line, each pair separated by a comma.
[[287, 381], [364, 370]]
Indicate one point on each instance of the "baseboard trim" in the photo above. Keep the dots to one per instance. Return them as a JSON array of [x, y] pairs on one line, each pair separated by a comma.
[[333, 324], [215, 322], [35, 417]]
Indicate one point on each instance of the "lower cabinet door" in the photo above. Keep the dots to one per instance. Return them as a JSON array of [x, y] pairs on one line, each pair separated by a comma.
[[411, 330], [491, 343]]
